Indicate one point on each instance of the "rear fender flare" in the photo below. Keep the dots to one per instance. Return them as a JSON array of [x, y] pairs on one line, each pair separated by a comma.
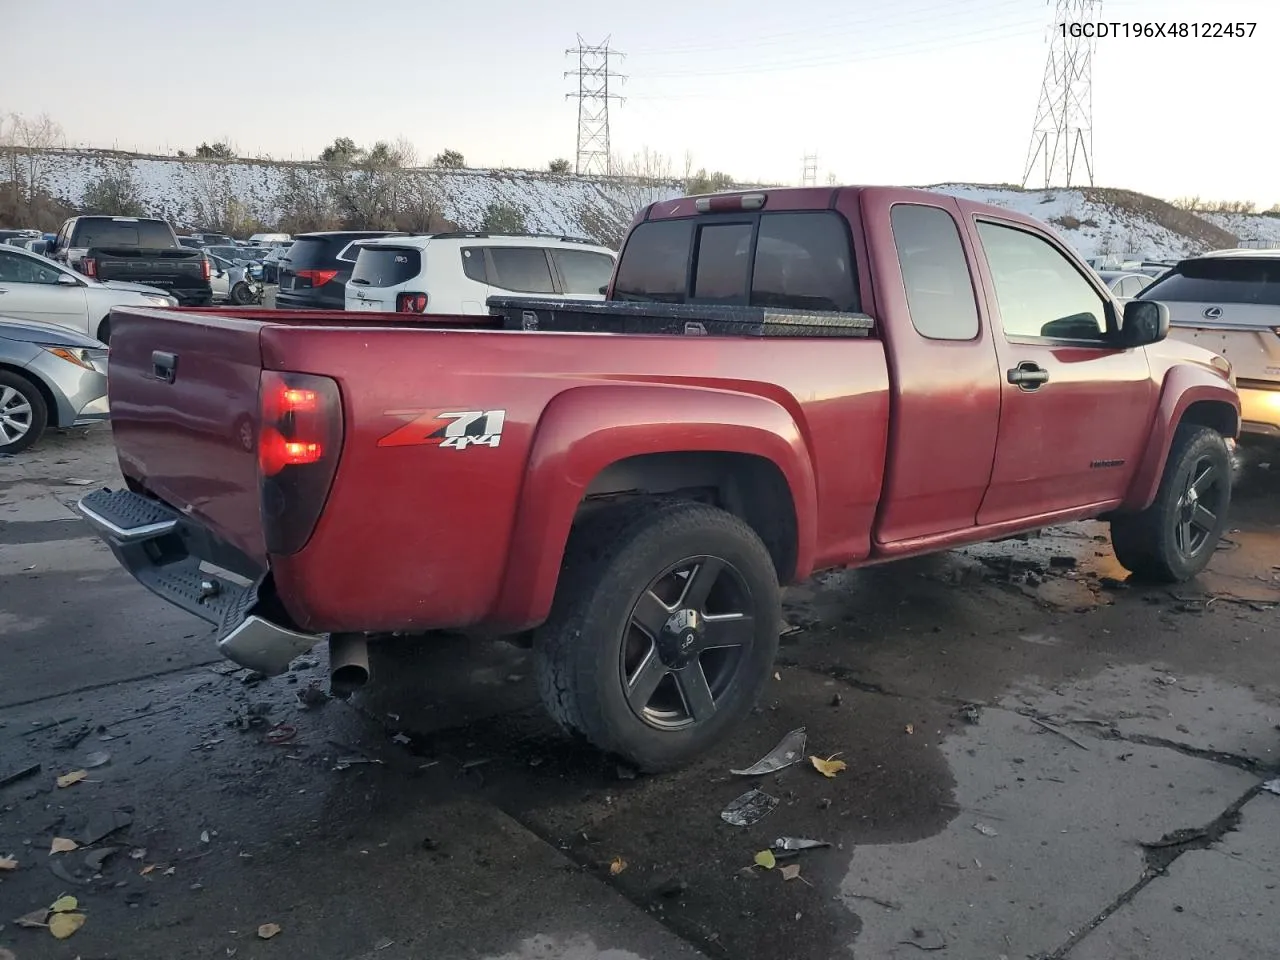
[[1183, 386], [585, 429]]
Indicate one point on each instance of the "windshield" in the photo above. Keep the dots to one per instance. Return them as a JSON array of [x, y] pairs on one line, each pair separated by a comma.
[[1219, 280]]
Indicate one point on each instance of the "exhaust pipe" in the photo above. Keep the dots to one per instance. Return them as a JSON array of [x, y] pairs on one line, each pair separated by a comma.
[[348, 663]]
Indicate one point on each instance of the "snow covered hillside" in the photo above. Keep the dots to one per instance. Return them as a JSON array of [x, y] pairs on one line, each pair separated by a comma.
[[1257, 229]]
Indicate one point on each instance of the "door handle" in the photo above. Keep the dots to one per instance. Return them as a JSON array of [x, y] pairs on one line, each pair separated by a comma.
[[1028, 375], [164, 365]]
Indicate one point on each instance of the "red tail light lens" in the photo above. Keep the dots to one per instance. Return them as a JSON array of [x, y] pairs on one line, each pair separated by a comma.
[[411, 303], [318, 278], [90, 266], [299, 439], [206, 270]]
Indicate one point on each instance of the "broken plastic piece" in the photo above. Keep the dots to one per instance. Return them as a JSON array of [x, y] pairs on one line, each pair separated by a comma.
[[102, 827], [749, 808], [99, 758], [1272, 786], [787, 752], [986, 831], [798, 843]]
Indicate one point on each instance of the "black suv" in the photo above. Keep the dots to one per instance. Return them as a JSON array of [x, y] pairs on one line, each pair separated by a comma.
[[313, 276]]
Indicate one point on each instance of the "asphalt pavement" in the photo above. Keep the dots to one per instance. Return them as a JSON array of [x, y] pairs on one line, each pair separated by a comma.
[[1042, 761]]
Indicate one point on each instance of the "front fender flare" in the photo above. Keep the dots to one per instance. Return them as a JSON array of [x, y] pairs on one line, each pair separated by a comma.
[[1183, 386], [585, 429]]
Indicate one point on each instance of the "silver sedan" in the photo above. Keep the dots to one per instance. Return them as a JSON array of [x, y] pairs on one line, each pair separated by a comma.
[[49, 377]]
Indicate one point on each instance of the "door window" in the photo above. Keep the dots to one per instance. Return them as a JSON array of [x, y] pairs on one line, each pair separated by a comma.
[[522, 269], [1039, 291], [934, 272], [582, 271], [15, 268]]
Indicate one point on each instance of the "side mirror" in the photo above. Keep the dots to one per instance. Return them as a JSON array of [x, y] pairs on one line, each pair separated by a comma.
[[66, 280], [1145, 322]]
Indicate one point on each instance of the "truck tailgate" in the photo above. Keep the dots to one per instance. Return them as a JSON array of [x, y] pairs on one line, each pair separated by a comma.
[[188, 435]]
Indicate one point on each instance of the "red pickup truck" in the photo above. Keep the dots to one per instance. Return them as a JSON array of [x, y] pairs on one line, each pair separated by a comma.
[[777, 383]]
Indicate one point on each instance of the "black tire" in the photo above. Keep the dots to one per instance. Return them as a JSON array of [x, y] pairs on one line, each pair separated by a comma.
[[241, 295], [104, 330], [22, 407], [591, 651], [1174, 539]]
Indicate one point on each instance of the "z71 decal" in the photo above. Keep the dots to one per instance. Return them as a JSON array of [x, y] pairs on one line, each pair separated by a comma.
[[453, 430]]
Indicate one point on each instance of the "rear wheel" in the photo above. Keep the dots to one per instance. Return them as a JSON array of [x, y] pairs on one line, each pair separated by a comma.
[[241, 295], [23, 413], [1174, 539], [662, 633]]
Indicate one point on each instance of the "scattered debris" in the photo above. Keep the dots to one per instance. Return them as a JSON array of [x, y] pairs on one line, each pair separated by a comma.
[[36, 728], [148, 869], [1062, 733], [96, 858], [78, 482], [345, 763], [836, 699], [137, 853], [281, 733], [788, 629], [1062, 562], [36, 919], [102, 827], [8, 863], [384, 943], [766, 859], [887, 904], [788, 751], [926, 939], [986, 831], [99, 758], [749, 808], [971, 713], [617, 866], [204, 836], [911, 728], [59, 870], [1111, 583], [75, 776], [401, 739], [62, 845], [74, 738], [17, 775], [830, 766], [791, 872], [1272, 786], [169, 872], [798, 843], [312, 695], [1175, 838], [268, 930]]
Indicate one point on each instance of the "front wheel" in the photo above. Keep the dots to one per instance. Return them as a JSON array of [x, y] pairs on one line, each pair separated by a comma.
[[663, 630], [23, 413], [241, 295], [1174, 539]]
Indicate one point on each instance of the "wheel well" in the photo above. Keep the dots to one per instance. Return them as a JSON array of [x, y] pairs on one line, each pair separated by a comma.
[[50, 404], [750, 487], [1215, 415], [104, 325]]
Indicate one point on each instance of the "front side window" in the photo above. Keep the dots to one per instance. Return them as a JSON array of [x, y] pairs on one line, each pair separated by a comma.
[[15, 268], [1039, 291], [582, 271]]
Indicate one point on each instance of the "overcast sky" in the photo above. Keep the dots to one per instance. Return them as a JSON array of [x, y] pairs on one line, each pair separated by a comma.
[[913, 92]]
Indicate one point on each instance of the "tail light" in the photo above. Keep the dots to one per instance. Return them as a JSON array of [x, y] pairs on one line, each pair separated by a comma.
[[299, 439], [411, 303], [206, 270], [90, 266], [318, 278]]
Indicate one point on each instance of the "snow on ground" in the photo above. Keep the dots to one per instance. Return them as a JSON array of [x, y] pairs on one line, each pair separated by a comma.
[[1255, 227], [1102, 229]]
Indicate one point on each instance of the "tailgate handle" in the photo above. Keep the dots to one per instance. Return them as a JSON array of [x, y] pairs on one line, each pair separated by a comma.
[[164, 366]]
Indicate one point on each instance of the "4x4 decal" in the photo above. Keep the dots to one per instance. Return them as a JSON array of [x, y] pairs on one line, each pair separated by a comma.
[[451, 429]]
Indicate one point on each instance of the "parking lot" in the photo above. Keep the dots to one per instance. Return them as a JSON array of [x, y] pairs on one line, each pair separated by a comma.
[[1042, 761]]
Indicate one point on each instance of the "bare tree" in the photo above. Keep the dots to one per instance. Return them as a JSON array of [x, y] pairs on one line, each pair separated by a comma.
[[25, 144], [216, 203], [306, 200]]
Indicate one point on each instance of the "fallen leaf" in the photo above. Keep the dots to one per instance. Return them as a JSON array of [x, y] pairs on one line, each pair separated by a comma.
[[830, 766], [766, 859], [8, 863], [62, 845], [63, 925], [147, 869], [64, 905], [790, 872], [911, 728], [617, 866], [36, 918], [75, 776], [268, 930]]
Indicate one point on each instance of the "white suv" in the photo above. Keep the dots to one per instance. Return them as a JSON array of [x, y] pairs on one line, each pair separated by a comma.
[[457, 272]]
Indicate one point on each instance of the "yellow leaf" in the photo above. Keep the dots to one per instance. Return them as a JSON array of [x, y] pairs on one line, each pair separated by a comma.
[[62, 845], [63, 925], [64, 905], [8, 863], [268, 930], [147, 869], [617, 866], [790, 871], [766, 859], [830, 766], [67, 779]]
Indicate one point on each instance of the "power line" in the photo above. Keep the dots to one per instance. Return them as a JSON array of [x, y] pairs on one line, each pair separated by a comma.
[[1063, 128], [593, 96]]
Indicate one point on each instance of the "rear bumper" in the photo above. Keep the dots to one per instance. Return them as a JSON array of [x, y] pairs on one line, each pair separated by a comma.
[[1260, 411], [168, 553]]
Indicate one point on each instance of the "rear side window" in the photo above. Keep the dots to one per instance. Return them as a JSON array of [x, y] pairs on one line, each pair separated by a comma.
[[473, 264], [521, 269], [1219, 280], [935, 274], [123, 233], [308, 253], [582, 271], [386, 266], [788, 260]]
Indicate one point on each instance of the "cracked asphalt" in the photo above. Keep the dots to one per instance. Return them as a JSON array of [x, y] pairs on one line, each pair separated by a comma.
[[1043, 761]]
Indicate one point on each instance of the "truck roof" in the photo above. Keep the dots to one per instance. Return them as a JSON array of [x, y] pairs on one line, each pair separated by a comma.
[[820, 198]]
